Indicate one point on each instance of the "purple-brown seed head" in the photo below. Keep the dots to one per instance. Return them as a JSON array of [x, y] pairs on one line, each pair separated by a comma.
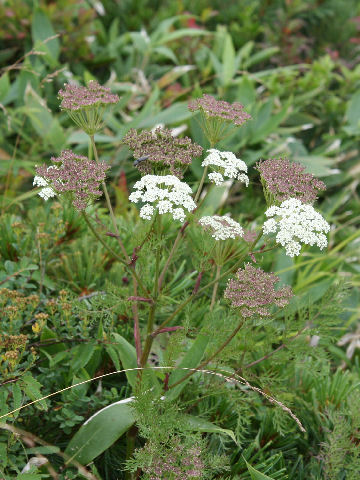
[[253, 292], [74, 97], [284, 179], [76, 174], [229, 112], [163, 151]]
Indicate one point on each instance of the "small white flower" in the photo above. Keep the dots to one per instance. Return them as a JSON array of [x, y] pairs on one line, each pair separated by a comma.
[[167, 194], [296, 222], [216, 177], [222, 227], [46, 192], [147, 212], [225, 164]]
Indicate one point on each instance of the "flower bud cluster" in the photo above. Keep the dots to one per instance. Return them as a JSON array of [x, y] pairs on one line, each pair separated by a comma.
[[219, 109], [76, 175], [283, 179], [225, 164], [222, 228], [74, 97], [253, 292], [164, 193], [296, 222], [162, 151]]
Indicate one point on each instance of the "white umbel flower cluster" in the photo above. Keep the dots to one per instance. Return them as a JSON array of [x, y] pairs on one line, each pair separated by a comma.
[[225, 164], [296, 222], [222, 227], [164, 193], [46, 192]]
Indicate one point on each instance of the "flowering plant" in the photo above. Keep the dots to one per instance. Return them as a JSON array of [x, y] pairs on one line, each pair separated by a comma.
[[148, 259]]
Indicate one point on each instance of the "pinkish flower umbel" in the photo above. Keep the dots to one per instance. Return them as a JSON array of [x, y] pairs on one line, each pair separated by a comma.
[[86, 105], [75, 97], [283, 179], [253, 292], [229, 112], [164, 153], [76, 175]]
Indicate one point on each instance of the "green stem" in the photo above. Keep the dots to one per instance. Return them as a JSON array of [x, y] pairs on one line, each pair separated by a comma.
[[216, 285], [201, 184], [206, 362], [113, 219], [130, 447], [150, 323]]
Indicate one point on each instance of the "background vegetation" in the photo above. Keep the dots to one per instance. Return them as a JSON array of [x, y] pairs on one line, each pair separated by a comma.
[[295, 67]]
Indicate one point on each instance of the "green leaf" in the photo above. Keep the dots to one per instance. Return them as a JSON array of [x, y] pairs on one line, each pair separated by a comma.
[[4, 85], [228, 61], [42, 29], [17, 397], [81, 355], [100, 431], [44, 124], [127, 354], [32, 389], [174, 114], [261, 56], [31, 476], [3, 455], [190, 360], [353, 111], [201, 425], [46, 450], [181, 32], [255, 474]]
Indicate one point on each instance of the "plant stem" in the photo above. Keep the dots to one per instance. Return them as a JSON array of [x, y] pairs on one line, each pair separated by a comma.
[[206, 362], [216, 284], [150, 324], [130, 447], [201, 184], [113, 219], [172, 252]]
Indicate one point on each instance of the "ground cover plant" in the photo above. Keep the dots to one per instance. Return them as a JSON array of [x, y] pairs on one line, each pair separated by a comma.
[[179, 245]]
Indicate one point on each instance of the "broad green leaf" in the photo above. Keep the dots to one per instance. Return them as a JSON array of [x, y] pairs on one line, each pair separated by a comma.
[[174, 114], [48, 335], [181, 32], [45, 125], [17, 397], [166, 52], [175, 73], [228, 61], [260, 56], [41, 31], [4, 85], [31, 476], [214, 198], [353, 111], [32, 389], [81, 355], [127, 354], [100, 431], [190, 360], [256, 475], [246, 93], [3, 454], [201, 425], [46, 450]]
